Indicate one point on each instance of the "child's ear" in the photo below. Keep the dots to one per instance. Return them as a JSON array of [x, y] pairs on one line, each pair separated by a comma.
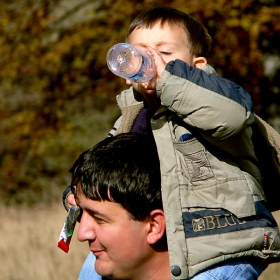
[[200, 62], [156, 226]]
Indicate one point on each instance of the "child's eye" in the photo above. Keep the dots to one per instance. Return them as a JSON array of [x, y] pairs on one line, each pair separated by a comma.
[[165, 53]]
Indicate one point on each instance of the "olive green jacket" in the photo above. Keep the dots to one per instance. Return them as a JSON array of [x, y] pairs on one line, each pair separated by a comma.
[[211, 184]]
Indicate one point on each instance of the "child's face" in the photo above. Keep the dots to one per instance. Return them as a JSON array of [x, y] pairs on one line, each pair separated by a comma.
[[170, 41]]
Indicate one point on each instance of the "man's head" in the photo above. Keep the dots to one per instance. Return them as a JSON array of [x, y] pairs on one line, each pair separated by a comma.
[[117, 187]]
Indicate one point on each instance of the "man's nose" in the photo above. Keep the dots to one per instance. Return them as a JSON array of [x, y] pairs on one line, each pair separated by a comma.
[[86, 228]]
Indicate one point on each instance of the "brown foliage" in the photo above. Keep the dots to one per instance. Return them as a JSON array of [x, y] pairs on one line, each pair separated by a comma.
[[53, 75]]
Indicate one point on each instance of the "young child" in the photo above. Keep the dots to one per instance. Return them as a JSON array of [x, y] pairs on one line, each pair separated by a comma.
[[216, 218]]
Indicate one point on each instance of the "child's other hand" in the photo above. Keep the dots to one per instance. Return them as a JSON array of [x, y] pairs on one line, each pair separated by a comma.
[[71, 200]]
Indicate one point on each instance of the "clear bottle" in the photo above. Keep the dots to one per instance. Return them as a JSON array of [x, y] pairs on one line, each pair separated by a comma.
[[125, 61]]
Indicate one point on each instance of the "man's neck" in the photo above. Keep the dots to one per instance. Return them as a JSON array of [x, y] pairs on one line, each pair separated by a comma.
[[157, 269]]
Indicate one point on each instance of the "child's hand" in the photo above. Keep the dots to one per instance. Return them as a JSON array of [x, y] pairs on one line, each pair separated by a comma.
[[160, 66], [71, 200], [159, 62], [149, 89]]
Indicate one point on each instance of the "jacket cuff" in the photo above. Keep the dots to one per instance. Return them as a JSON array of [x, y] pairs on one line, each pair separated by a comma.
[[65, 194], [161, 82]]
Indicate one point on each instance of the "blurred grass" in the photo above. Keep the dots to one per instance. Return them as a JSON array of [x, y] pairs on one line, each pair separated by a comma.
[[28, 245], [30, 230]]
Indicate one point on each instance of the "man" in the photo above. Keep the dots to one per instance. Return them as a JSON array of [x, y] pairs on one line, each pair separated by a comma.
[[117, 186]]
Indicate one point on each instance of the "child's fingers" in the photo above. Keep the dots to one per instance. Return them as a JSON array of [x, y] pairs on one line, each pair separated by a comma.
[[71, 200], [159, 62], [154, 53]]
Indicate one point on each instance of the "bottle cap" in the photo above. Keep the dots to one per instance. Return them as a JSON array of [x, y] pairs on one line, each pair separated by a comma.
[[123, 60]]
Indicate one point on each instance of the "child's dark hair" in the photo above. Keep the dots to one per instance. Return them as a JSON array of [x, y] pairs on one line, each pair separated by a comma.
[[124, 169], [197, 35]]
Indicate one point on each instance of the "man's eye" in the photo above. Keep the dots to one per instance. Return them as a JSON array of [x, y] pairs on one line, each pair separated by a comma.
[[98, 220]]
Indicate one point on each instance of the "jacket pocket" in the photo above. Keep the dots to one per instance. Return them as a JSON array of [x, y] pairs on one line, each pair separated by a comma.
[[208, 182]]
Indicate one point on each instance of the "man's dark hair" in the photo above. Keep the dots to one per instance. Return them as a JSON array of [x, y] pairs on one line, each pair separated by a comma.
[[198, 37], [124, 169]]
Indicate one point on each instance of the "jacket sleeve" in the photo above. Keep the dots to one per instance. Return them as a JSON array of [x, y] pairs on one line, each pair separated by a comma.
[[216, 107]]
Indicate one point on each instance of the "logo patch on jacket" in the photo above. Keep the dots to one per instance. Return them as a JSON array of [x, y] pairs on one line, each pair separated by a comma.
[[207, 222], [198, 166], [215, 222]]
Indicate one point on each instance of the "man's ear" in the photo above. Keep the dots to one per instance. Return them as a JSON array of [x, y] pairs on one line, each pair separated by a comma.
[[156, 226], [200, 62]]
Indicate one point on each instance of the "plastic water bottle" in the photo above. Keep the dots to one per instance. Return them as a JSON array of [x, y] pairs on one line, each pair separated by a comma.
[[125, 61]]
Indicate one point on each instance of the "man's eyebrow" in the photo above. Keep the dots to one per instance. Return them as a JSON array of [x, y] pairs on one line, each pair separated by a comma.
[[92, 211], [97, 214]]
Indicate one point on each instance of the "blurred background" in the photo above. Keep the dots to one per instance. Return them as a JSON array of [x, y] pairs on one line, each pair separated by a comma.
[[57, 98]]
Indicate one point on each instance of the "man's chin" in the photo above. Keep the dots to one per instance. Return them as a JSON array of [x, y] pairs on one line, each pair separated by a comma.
[[102, 268]]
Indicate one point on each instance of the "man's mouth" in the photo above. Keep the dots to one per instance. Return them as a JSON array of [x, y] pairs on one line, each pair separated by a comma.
[[96, 252]]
